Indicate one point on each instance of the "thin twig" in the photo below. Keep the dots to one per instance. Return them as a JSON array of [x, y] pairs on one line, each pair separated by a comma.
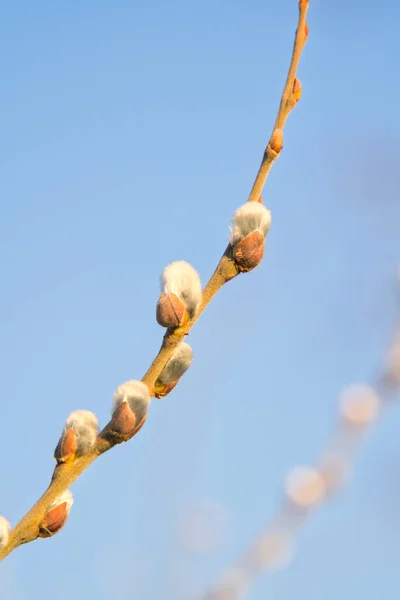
[[64, 475], [291, 95]]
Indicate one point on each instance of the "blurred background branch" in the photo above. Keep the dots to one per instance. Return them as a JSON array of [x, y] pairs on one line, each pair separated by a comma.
[[307, 487]]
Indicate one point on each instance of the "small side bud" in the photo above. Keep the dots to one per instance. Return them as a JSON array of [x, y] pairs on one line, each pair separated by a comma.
[[276, 140], [306, 29], [4, 532], [177, 365], [78, 436], [250, 226], [56, 515], [129, 412], [180, 295], [296, 89]]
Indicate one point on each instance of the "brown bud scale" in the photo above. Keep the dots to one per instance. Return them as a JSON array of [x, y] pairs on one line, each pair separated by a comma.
[[124, 420], [124, 423], [162, 389], [249, 252], [66, 447], [171, 311], [53, 520]]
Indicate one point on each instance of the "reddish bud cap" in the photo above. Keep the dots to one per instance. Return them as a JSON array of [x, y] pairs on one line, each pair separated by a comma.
[[124, 423], [54, 520], [124, 420], [162, 389], [249, 252], [66, 448], [170, 311]]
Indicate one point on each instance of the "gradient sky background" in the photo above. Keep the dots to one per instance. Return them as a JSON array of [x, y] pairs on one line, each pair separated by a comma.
[[130, 132]]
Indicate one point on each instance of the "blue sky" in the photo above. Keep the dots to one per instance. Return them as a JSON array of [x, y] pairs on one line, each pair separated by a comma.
[[130, 132]]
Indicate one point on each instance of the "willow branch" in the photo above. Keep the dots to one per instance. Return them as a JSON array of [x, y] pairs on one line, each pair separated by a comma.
[[64, 475]]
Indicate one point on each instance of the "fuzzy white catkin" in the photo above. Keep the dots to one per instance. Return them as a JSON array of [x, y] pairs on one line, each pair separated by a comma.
[[177, 365], [86, 426], [4, 532], [181, 279], [135, 392], [66, 497], [252, 216], [305, 486], [359, 404]]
